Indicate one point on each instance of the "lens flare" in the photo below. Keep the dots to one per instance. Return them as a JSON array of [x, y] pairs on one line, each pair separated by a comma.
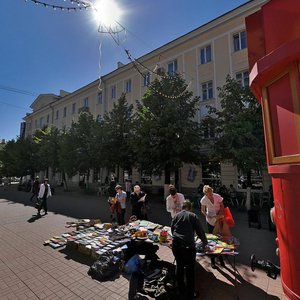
[[107, 13]]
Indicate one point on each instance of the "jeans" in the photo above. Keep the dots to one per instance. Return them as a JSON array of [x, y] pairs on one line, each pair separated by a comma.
[[43, 206], [185, 264]]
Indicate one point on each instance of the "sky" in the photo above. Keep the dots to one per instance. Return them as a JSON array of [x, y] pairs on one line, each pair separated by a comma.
[[43, 50]]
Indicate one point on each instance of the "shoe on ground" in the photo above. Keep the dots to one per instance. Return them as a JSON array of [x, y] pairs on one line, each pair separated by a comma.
[[213, 265], [46, 213], [222, 264]]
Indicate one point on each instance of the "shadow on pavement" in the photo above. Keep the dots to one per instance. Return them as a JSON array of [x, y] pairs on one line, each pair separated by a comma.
[[77, 256], [236, 287], [34, 218]]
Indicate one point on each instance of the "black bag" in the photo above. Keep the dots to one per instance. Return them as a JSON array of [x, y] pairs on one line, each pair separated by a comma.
[[105, 267], [38, 203]]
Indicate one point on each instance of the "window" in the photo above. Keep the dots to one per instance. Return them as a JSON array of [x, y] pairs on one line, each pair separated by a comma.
[[203, 111], [239, 41], [99, 118], [57, 114], [242, 78], [172, 67], [42, 122], [207, 90], [205, 55], [128, 86], [146, 79], [48, 119], [35, 123], [113, 92], [99, 98], [86, 102], [73, 108], [65, 112]]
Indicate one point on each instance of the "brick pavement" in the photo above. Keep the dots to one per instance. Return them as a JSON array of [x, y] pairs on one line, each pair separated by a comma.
[[29, 270]]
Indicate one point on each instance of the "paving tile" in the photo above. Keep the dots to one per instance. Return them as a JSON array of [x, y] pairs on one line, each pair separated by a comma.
[[29, 270]]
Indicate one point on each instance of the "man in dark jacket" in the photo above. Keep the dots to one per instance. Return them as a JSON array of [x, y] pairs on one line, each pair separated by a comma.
[[184, 226], [35, 188]]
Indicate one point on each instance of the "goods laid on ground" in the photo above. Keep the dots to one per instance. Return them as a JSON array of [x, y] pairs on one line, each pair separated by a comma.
[[102, 237], [132, 248]]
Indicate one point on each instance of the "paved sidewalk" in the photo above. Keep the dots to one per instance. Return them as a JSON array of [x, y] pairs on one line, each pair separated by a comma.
[[29, 270]]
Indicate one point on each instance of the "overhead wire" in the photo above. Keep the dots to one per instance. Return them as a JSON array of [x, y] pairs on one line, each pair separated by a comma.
[[15, 90]]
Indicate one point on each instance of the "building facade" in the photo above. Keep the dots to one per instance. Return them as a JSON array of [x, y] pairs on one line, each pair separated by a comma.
[[204, 56]]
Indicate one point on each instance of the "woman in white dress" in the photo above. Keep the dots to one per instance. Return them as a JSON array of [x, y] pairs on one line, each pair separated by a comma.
[[212, 208]]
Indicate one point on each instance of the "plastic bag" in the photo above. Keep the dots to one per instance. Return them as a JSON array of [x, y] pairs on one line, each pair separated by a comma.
[[133, 265], [228, 217]]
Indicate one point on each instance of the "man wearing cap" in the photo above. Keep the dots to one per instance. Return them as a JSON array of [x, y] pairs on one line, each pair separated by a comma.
[[44, 194], [35, 188]]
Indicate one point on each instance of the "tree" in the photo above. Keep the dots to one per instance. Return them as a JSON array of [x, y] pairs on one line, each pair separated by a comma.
[[48, 142], [117, 140], [166, 133], [18, 158], [237, 129], [78, 150]]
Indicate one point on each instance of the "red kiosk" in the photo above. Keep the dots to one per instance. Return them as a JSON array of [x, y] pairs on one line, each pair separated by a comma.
[[274, 60]]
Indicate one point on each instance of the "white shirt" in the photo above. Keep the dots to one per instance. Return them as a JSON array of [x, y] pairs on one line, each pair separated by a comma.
[[42, 190], [174, 206], [122, 199], [212, 209]]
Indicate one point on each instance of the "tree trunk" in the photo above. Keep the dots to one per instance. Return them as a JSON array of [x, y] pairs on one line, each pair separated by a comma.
[[249, 183], [65, 184], [87, 179], [167, 176]]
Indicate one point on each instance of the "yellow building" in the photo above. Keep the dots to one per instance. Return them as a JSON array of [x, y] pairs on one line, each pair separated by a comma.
[[205, 56]]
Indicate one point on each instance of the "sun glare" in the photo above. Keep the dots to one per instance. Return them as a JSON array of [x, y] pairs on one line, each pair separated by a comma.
[[107, 12]]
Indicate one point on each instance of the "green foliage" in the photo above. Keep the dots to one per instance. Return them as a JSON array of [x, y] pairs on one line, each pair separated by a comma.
[[117, 140], [166, 134], [78, 146], [18, 158], [47, 141], [237, 127]]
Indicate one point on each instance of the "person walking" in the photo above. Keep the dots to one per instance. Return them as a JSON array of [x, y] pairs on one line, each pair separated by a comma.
[[35, 188], [174, 201], [184, 225], [212, 208], [44, 194]]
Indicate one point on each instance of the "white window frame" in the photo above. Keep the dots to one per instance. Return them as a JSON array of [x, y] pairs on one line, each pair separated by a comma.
[[207, 54], [65, 112], [86, 102], [99, 98], [207, 89], [113, 92], [146, 79], [128, 86], [238, 39], [172, 67], [242, 78], [98, 118]]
